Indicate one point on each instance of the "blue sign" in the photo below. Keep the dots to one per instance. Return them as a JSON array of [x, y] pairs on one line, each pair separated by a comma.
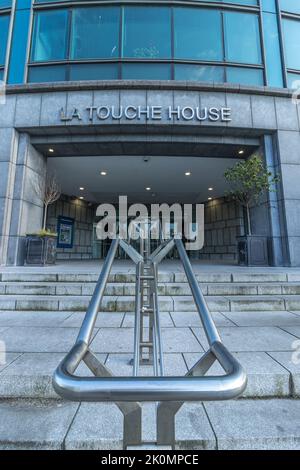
[[65, 232]]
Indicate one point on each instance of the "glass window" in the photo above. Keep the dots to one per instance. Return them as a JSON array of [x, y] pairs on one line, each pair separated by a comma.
[[292, 6], [47, 73], [244, 76], [94, 72], [5, 3], [293, 80], [198, 34], [291, 32], [242, 38], [198, 73], [50, 35], [95, 33], [1, 74], [146, 71], [273, 51], [4, 26], [238, 2], [147, 32]]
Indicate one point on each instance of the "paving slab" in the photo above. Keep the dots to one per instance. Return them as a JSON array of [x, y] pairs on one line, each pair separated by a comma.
[[32, 318], [165, 320], [293, 330], [256, 424], [266, 378], [120, 365], [6, 359], [113, 340], [190, 319], [39, 339], [32, 425], [251, 338], [291, 361], [30, 375], [104, 319], [264, 318], [97, 426]]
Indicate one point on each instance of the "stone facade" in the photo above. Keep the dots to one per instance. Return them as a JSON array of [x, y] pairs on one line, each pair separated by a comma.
[[83, 215], [30, 122], [224, 222]]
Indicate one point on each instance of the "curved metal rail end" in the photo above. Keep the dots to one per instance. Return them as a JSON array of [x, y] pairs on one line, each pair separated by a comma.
[[139, 389]]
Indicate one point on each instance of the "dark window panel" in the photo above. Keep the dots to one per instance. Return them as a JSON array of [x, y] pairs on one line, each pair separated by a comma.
[[47, 73], [146, 71], [202, 73], [94, 71], [245, 76]]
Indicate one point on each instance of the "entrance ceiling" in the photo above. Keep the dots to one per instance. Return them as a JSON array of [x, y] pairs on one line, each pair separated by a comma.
[[131, 175]]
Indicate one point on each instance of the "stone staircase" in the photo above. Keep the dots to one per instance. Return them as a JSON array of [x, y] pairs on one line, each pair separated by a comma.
[[223, 291], [40, 315]]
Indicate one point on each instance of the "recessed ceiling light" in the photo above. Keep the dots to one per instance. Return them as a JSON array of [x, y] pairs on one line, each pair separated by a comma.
[[81, 197], [209, 198], [103, 173], [187, 173], [81, 188], [210, 189], [51, 150], [241, 152], [148, 188]]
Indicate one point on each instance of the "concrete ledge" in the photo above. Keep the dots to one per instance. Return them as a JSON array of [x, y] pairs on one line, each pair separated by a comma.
[[148, 85]]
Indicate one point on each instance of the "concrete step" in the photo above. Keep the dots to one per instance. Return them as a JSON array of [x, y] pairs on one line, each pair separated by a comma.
[[128, 289], [205, 277], [173, 289], [125, 303], [238, 424]]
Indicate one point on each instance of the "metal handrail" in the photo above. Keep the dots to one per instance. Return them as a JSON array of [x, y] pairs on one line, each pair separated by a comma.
[[107, 388]]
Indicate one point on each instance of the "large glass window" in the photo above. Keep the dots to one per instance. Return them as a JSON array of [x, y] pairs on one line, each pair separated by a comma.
[[147, 32], [151, 42], [292, 6], [242, 38], [95, 33], [50, 35], [291, 30], [4, 26], [197, 34]]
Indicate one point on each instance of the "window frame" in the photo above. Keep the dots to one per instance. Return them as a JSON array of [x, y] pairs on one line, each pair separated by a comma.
[[72, 4]]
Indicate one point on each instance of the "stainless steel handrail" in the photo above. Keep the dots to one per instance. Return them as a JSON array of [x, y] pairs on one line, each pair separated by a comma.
[[108, 388]]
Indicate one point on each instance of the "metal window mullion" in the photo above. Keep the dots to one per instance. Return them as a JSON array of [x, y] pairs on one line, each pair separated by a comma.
[[282, 46], [262, 44]]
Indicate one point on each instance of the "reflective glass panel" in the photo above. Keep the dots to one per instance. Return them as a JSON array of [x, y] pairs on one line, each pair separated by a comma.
[[244, 76], [146, 71], [198, 34], [50, 35], [292, 6], [294, 81], [273, 51], [242, 38], [5, 3], [95, 33], [291, 32], [94, 72], [200, 73], [4, 26], [47, 73], [147, 32]]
